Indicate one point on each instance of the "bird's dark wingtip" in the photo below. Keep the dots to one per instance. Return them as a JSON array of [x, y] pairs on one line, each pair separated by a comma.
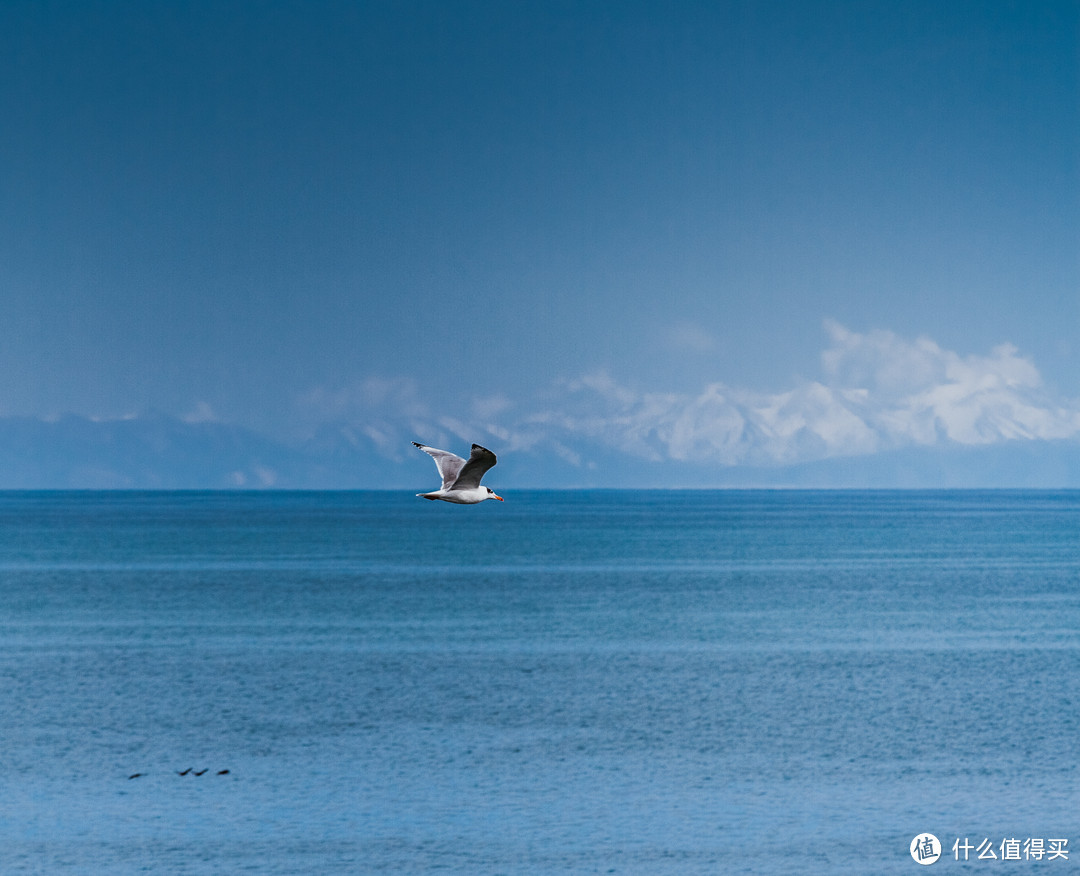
[[417, 444]]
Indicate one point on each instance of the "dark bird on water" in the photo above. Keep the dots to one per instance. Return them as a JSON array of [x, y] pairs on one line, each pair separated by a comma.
[[185, 772], [223, 772], [200, 772], [136, 776]]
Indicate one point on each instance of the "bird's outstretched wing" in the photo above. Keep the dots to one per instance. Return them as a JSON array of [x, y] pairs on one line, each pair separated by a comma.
[[480, 460], [449, 464]]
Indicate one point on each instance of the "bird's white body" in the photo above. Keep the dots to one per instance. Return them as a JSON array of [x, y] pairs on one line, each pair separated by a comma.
[[460, 477], [462, 497]]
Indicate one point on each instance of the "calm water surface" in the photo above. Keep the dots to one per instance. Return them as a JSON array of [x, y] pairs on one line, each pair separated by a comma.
[[585, 682]]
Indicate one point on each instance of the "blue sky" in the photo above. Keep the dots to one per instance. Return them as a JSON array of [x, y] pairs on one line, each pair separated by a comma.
[[731, 233]]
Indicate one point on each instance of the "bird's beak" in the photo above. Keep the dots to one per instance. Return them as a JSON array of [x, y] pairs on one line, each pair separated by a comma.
[[500, 498]]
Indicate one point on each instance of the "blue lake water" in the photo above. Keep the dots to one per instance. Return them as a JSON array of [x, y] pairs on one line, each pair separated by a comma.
[[567, 682]]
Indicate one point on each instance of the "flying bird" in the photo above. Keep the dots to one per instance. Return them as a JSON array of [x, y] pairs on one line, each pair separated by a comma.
[[461, 478]]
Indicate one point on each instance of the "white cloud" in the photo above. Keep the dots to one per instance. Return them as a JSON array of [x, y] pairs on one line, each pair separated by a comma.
[[382, 409], [879, 391], [918, 393], [689, 337], [362, 398], [390, 412], [201, 413]]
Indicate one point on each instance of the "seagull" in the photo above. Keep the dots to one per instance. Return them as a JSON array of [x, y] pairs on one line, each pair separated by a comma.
[[461, 478]]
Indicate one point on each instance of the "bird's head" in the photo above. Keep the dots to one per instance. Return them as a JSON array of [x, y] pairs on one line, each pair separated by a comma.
[[491, 494]]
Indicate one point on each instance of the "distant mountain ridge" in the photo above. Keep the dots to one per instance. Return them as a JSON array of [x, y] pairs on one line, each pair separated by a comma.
[[157, 451], [149, 452]]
